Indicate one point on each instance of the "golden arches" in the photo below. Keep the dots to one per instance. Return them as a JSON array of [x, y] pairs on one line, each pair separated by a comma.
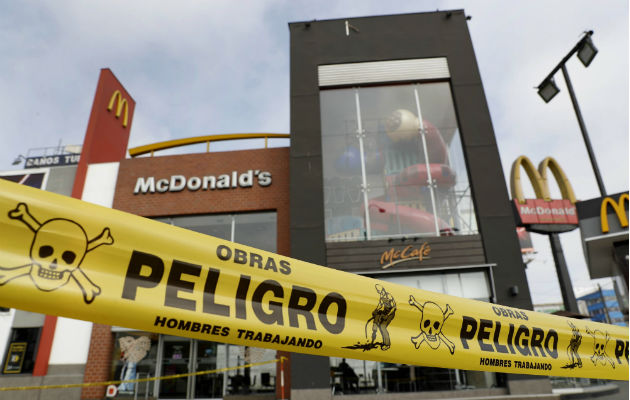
[[619, 210], [539, 179], [122, 102]]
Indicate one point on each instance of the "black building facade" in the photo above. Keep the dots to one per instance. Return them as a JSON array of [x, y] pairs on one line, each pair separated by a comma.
[[393, 154]]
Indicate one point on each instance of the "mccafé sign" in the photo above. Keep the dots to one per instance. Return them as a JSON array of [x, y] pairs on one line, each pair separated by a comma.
[[177, 183], [543, 214], [393, 256]]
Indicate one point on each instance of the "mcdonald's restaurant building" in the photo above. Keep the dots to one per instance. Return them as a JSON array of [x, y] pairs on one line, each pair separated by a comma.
[[392, 172], [604, 230]]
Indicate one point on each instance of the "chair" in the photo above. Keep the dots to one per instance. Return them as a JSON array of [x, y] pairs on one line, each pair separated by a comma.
[[266, 381]]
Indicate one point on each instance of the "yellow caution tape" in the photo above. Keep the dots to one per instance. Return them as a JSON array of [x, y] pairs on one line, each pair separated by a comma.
[[139, 380], [61, 256]]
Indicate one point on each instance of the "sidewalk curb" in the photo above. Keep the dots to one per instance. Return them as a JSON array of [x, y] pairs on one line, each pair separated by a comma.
[[587, 392]]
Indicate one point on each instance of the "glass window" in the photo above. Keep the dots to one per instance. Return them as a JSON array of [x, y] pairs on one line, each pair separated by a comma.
[[134, 357], [258, 230], [470, 285], [219, 226], [251, 380], [432, 283], [393, 163], [20, 354], [358, 376]]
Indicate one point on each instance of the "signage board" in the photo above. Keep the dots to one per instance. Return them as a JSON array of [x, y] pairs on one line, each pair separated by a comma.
[[395, 256], [408, 255], [62, 256], [604, 229], [177, 183], [15, 358], [525, 240], [543, 214], [620, 207], [52, 161]]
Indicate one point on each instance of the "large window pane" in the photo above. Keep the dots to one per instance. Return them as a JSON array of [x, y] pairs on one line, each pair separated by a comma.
[[251, 380], [454, 201], [21, 351], [393, 148], [134, 357], [343, 199], [391, 377], [469, 284], [219, 226], [257, 230], [393, 163]]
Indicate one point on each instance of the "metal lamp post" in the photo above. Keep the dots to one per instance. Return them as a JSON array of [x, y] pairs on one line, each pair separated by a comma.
[[547, 90]]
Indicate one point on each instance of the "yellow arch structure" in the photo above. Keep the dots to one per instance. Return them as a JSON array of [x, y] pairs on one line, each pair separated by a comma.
[[619, 209], [121, 105], [539, 179], [169, 144], [563, 182]]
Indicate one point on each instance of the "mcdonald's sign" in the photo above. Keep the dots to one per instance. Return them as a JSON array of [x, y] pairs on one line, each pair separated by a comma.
[[619, 208], [121, 106], [543, 214], [604, 231]]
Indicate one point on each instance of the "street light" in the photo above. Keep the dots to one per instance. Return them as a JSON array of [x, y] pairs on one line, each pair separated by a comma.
[[547, 90], [18, 160], [586, 52]]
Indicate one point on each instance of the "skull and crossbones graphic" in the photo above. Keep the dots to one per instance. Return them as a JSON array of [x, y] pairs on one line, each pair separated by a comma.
[[431, 324], [59, 246], [600, 340]]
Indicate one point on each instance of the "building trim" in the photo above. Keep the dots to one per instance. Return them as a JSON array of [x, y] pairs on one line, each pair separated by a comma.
[[383, 71], [621, 235], [168, 144], [429, 269]]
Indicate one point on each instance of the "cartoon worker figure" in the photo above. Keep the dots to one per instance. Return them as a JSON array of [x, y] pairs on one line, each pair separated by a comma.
[[382, 316], [573, 347]]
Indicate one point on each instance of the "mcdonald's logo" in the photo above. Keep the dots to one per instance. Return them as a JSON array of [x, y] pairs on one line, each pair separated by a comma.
[[543, 210], [618, 207], [121, 105], [538, 178]]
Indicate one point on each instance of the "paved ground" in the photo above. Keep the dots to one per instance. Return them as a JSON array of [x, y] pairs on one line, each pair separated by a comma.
[[622, 395], [595, 392]]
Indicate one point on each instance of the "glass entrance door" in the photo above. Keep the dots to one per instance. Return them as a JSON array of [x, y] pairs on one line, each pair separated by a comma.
[[182, 356], [175, 359], [207, 386]]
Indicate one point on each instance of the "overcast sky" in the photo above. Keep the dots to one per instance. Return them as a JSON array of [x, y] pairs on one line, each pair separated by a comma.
[[199, 68]]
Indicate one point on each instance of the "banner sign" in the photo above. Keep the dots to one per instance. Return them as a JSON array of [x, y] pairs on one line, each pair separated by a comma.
[[52, 161], [15, 358], [177, 183], [66, 257]]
